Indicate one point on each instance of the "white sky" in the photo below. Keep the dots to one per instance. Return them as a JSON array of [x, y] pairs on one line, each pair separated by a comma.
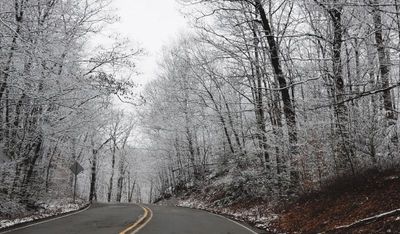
[[152, 24]]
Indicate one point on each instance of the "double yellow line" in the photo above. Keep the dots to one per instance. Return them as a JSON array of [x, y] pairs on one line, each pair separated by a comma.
[[146, 217]]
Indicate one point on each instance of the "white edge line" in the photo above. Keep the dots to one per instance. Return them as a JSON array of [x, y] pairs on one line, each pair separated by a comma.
[[46, 221], [233, 221], [145, 223]]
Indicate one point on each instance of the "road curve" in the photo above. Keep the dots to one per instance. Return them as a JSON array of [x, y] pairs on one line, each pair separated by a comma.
[[177, 220], [98, 219], [115, 218]]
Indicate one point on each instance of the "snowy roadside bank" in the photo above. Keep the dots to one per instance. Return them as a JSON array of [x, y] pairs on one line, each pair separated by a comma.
[[257, 215], [254, 215], [47, 211], [369, 204]]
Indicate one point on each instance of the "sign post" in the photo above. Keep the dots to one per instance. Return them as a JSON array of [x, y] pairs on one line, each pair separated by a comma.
[[76, 168]]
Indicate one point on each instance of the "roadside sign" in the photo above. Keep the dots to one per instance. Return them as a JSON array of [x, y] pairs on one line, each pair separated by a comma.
[[76, 168]]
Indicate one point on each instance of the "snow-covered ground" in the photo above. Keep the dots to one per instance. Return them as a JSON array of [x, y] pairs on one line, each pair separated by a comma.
[[254, 215], [220, 196], [53, 208]]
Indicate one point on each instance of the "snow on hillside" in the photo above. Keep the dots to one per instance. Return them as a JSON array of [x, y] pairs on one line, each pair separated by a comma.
[[54, 208]]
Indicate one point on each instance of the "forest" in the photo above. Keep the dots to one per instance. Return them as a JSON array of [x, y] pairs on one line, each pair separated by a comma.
[[278, 97], [57, 96], [256, 100]]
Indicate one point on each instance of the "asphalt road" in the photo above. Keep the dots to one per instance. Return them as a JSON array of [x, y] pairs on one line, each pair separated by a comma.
[[110, 219], [177, 220], [99, 219]]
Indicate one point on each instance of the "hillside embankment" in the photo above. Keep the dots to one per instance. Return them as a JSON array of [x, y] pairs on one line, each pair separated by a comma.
[[366, 203]]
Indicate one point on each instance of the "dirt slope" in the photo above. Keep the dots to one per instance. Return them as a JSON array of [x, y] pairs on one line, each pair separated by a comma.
[[345, 202]]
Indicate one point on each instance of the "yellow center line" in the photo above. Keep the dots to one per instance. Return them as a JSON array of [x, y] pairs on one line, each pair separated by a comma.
[[140, 223], [145, 223]]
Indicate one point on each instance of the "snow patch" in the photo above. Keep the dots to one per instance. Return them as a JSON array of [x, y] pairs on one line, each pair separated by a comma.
[[253, 215], [52, 209]]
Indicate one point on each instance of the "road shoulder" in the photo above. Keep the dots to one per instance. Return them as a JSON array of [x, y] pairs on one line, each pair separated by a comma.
[[41, 220]]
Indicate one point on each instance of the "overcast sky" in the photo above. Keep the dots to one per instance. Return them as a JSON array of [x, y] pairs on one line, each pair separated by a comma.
[[152, 24]]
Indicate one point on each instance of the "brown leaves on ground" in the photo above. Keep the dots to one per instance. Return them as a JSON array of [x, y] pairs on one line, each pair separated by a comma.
[[344, 202]]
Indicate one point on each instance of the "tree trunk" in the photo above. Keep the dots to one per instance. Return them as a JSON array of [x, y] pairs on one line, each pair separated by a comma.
[[344, 153], [51, 155], [31, 165], [92, 193], [259, 105], [288, 108], [384, 64], [221, 118], [110, 187], [120, 181]]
